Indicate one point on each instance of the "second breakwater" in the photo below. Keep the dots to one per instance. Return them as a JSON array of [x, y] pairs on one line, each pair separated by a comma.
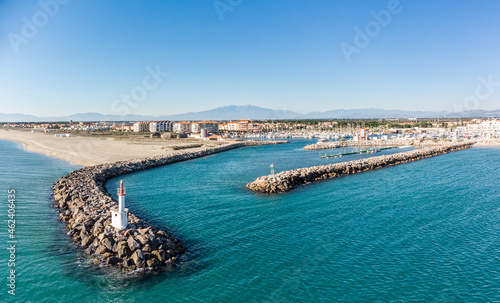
[[85, 206], [373, 143], [288, 180]]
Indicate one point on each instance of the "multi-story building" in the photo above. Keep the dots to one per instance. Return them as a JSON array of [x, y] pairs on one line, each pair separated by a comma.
[[195, 127], [141, 127], [254, 127], [160, 126], [364, 134], [233, 126], [211, 126], [241, 126], [182, 127], [223, 126]]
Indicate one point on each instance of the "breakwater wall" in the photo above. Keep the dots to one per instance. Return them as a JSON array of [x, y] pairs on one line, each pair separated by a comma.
[[287, 180], [372, 143], [85, 206], [350, 143]]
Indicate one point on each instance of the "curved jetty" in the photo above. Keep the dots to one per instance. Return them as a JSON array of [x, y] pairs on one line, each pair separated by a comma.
[[85, 206], [287, 180]]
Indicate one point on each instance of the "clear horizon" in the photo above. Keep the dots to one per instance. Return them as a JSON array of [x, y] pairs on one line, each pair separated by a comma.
[[60, 58]]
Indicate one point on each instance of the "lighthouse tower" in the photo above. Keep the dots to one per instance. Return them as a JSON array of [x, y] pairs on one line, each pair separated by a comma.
[[119, 215]]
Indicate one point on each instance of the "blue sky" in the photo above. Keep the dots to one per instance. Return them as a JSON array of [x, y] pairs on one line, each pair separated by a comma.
[[86, 55]]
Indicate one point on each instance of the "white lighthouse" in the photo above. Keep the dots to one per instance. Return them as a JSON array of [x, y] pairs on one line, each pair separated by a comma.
[[119, 215]]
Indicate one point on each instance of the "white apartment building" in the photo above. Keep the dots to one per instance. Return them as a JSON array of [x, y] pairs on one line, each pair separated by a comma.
[[182, 127], [141, 127], [160, 126], [211, 126]]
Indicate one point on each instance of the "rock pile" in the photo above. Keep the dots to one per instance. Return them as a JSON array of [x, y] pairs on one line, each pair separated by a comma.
[[350, 143], [85, 206], [287, 180]]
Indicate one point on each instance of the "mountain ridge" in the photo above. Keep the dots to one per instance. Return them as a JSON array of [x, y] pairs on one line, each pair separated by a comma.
[[252, 112]]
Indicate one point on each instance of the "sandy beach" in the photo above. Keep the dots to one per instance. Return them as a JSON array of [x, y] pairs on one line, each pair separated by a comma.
[[86, 151]]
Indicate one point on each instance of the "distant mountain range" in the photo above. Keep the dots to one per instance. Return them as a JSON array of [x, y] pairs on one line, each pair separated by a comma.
[[234, 112]]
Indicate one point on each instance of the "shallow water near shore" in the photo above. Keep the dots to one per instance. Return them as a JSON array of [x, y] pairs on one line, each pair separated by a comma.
[[422, 231]]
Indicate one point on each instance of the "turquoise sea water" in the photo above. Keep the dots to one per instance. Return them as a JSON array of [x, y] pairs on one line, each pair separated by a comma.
[[427, 231]]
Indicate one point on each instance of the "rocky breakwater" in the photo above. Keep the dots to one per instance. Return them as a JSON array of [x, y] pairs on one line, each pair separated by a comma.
[[287, 180], [375, 143], [350, 143], [85, 206]]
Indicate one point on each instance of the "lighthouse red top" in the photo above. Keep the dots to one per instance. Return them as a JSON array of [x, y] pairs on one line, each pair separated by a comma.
[[121, 190]]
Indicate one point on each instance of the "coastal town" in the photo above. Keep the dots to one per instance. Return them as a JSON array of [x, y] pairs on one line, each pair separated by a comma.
[[250, 151], [450, 129]]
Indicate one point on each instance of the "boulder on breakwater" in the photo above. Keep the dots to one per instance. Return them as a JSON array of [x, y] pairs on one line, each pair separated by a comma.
[[85, 206], [287, 180]]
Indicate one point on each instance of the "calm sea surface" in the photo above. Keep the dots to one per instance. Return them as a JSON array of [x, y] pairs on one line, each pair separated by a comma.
[[427, 231]]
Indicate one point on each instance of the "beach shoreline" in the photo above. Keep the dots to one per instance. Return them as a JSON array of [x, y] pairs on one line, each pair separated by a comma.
[[89, 151]]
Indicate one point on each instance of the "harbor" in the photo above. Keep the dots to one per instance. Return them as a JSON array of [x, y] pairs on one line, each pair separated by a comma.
[[341, 213], [250, 151], [105, 230]]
